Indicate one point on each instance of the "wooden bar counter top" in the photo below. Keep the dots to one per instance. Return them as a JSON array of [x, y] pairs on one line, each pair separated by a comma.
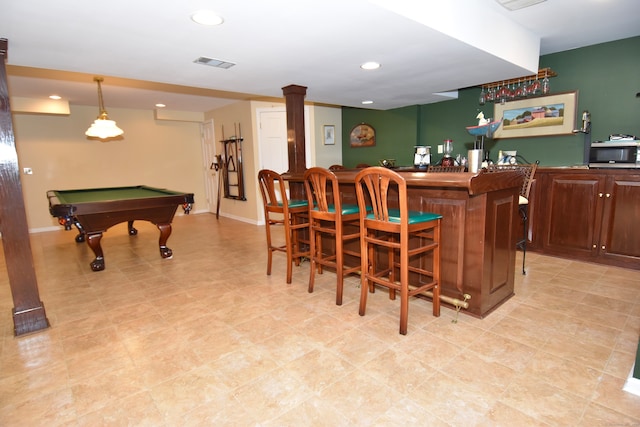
[[479, 229]]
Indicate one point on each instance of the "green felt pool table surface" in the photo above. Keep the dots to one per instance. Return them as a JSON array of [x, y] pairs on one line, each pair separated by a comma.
[[114, 193]]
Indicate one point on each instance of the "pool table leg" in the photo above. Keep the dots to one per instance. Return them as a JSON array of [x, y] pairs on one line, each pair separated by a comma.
[[165, 232], [94, 243], [81, 237]]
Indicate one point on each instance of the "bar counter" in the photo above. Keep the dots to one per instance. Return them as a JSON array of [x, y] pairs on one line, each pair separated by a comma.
[[479, 229]]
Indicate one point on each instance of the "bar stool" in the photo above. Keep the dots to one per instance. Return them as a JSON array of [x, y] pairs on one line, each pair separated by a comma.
[[280, 210], [406, 236], [328, 217], [528, 171]]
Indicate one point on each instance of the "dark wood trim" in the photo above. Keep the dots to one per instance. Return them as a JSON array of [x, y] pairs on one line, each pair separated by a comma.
[[28, 311], [294, 96]]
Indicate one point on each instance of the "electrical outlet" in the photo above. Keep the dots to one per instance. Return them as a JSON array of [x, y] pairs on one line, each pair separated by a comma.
[[440, 149], [27, 171]]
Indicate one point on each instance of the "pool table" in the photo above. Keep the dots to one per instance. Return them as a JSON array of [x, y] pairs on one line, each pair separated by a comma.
[[93, 211]]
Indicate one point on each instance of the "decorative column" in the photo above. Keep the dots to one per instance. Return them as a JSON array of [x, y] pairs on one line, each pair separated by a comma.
[[294, 96], [28, 311]]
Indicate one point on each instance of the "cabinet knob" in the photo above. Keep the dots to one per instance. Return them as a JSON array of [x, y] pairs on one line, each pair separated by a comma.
[[608, 195], [600, 195], [594, 246], [602, 247]]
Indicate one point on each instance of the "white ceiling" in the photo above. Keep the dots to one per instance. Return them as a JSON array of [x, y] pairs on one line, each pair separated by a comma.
[[146, 49]]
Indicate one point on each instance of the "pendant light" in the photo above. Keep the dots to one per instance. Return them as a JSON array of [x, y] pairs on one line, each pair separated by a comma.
[[102, 127]]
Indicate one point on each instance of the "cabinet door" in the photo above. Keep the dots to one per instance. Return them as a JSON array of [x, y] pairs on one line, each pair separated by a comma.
[[574, 214], [621, 231]]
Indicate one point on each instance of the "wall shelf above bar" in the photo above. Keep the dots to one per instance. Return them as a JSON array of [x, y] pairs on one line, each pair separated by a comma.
[[542, 73]]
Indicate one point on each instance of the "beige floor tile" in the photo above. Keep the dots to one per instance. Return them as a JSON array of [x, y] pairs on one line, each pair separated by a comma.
[[187, 391], [138, 409], [312, 412], [502, 415], [359, 397], [596, 415], [446, 397], [56, 408], [207, 338], [543, 401], [305, 369], [272, 395], [564, 374], [609, 394], [505, 351]]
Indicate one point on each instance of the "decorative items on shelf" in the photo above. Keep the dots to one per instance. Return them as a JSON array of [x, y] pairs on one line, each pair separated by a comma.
[[485, 129], [521, 87]]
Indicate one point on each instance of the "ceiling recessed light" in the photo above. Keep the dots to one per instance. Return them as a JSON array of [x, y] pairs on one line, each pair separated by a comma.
[[370, 65], [56, 97], [160, 105], [367, 102], [207, 17]]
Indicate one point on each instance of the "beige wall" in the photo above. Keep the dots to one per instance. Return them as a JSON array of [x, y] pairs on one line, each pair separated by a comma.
[[157, 153], [245, 114], [327, 155], [235, 119], [165, 154]]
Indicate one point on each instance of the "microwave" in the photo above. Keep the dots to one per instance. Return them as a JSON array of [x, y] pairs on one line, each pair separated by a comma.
[[615, 154]]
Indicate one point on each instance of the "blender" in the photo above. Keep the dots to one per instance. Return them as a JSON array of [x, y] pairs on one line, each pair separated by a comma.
[[448, 160]]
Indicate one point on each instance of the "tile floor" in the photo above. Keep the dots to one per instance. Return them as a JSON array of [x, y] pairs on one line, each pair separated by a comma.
[[206, 339]]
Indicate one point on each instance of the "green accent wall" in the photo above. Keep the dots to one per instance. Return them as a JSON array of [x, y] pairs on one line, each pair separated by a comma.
[[606, 76]]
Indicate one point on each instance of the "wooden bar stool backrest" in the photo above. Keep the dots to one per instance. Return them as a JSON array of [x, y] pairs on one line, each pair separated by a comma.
[[280, 210], [329, 217], [407, 237]]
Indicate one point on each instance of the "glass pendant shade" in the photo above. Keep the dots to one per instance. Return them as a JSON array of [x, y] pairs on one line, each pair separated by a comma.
[[102, 127]]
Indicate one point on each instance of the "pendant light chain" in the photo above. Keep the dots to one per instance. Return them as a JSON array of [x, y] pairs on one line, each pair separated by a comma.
[[103, 111]]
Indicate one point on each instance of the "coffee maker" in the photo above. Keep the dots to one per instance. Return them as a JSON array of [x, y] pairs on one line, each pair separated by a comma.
[[422, 156]]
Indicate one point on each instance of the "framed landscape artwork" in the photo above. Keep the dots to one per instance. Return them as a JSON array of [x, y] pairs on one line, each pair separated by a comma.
[[540, 116]]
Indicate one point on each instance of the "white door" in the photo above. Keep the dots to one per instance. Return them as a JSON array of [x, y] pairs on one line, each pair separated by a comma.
[[211, 174], [274, 150]]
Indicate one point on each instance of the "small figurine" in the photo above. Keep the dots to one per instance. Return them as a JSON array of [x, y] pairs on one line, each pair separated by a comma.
[[481, 120]]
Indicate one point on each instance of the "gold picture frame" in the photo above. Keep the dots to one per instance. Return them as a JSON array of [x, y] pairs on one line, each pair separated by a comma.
[[540, 116], [362, 135]]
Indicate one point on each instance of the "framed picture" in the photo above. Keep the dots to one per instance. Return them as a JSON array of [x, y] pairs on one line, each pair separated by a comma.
[[362, 135], [329, 134], [540, 116]]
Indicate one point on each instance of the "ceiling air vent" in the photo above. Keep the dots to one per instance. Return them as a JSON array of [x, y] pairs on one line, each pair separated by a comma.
[[518, 4], [212, 62]]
